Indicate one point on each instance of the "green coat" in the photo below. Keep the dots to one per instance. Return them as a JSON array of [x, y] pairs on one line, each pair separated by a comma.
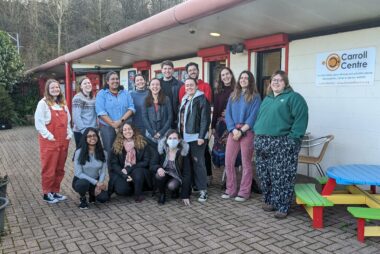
[[283, 115]]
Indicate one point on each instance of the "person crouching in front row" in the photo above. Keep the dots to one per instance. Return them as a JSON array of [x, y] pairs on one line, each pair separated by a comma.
[[129, 163], [173, 169], [90, 169]]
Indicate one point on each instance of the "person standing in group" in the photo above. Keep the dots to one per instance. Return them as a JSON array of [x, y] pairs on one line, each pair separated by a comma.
[[157, 115], [279, 128], [194, 120], [90, 169], [173, 171], [84, 114], [129, 163], [224, 86], [193, 72], [241, 113], [52, 121], [139, 96], [170, 86], [114, 106]]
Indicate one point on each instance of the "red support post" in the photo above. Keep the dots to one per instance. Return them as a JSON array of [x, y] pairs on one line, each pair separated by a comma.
[[373, 189], [318, 217], [329, 187], [361, 224], [68, 90]]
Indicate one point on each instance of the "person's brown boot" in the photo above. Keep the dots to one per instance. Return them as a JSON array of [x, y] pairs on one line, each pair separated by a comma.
[[267, 207], [280, 215]]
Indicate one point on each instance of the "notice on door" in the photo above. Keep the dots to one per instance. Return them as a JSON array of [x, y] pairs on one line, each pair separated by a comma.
[[346, 67]]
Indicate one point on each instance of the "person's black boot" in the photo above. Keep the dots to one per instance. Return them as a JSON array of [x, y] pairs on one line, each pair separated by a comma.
[[83, 203], [162, 199]]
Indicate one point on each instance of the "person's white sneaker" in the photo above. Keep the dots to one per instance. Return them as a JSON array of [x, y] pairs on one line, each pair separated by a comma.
[[50, 198], [59, 197], [240, 199], [225, 196], [203, 196]]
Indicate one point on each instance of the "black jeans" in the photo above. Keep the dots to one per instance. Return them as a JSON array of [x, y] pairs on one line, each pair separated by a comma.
[[77, 138], [197, 154], [82, 186], [124, 188]]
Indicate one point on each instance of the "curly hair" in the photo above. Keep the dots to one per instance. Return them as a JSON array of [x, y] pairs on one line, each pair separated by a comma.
[[138, 140]]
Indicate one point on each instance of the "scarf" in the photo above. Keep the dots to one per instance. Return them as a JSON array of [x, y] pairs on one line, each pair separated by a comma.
[[130, 157]]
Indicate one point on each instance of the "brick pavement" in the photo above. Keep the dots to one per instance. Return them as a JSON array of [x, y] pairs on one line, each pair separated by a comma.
[[122, 226]]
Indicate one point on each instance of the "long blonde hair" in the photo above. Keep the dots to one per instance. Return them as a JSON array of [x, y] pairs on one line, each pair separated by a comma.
[[251, 89], [50, 99], [138, 140]]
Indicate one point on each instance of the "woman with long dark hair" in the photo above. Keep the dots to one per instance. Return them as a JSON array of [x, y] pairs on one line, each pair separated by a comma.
[[241, 112], [114, 106], [279, 128], [157, 115], [129, 163], [90, 169], [52, 121], [84, 114], [224, 86]]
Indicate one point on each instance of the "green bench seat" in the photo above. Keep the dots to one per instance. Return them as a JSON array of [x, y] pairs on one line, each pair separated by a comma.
[[362, 214], [365, 212], [312, 201], [307, 193]]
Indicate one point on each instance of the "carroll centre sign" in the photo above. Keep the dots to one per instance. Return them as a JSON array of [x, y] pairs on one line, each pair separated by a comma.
[[346, 67]]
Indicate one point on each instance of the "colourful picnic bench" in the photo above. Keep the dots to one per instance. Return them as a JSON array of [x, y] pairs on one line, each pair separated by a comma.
[[363, 214], [312, 201]]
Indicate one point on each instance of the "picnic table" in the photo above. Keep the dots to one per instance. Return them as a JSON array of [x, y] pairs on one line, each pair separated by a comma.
[[351, 176]]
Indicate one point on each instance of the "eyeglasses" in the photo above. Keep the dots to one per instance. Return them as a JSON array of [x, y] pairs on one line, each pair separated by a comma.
[[92, 136], [277, 80]]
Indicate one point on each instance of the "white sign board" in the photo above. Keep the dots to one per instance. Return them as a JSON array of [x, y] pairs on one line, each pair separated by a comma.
[[346, 67]]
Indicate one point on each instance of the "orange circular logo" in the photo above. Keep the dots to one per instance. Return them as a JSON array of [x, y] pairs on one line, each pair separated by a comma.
[[332, 62]]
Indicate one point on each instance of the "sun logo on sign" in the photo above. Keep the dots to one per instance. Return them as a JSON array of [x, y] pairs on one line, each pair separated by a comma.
[[332, 62]]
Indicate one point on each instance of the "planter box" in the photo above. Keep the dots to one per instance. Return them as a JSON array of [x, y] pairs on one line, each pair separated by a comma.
[[3, 204], [5, 125], [3, 186]]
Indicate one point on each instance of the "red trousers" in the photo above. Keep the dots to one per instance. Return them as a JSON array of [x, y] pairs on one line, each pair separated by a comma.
[[53, 156]]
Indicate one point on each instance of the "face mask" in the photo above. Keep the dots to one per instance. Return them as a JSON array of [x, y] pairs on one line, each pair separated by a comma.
[[172, 143]]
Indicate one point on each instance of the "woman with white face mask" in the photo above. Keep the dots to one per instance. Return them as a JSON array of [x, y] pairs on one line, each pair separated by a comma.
[[173, 169]]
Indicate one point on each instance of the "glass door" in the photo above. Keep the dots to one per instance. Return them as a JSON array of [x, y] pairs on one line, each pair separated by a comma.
[[267, 63]]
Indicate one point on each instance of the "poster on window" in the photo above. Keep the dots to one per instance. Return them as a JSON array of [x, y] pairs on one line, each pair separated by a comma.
[[346, 67], [131, 80]]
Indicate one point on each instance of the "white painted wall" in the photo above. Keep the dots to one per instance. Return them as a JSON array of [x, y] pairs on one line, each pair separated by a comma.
[[239, 62], [351, 113]]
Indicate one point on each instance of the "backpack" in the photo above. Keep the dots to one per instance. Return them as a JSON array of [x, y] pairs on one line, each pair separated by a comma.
[[218, 153]]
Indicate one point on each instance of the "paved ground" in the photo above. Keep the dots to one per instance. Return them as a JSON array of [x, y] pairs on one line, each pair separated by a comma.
[[122, 226]]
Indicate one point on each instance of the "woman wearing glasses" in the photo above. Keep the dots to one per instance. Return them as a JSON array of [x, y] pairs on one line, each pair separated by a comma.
[[279, 128]]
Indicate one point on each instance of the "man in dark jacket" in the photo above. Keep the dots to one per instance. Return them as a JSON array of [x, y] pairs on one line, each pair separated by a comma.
[[170, 86]]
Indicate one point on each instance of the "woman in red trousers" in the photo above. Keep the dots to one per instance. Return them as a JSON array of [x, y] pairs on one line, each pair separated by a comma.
[[52, 121]]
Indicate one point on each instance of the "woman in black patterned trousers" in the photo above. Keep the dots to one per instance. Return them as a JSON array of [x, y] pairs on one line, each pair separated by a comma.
[[279, 128]]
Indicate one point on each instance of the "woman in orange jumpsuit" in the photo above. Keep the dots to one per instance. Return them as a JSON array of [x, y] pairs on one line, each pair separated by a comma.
[[52, 121]]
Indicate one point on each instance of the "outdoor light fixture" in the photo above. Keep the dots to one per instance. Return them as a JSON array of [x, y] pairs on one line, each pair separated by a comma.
[[214, 34], [108, 60], [237, 48]]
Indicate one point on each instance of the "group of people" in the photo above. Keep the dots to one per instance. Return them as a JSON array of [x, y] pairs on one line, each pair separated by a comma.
[[156, 137]]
